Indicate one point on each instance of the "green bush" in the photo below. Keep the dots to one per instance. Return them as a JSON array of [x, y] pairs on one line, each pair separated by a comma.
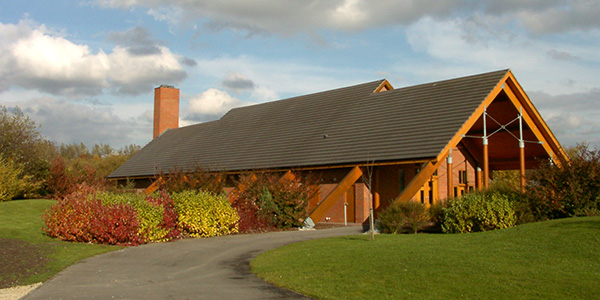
[[478, 211], [398, 217], [436, 215], [13, 181], [204, 214]]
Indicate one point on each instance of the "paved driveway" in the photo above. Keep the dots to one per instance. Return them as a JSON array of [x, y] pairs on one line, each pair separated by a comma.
[[214, 268]]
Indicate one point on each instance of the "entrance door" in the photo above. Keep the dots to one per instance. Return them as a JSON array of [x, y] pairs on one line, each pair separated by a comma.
[[350, 208]]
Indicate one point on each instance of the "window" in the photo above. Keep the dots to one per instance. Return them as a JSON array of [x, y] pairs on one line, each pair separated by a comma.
[[462, 177], [401, 182]]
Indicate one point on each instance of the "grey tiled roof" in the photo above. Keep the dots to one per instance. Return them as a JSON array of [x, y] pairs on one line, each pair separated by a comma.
[[341, 126]]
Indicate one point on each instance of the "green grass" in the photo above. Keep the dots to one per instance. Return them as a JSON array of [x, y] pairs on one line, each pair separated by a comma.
[[557, 259], [22, 220]]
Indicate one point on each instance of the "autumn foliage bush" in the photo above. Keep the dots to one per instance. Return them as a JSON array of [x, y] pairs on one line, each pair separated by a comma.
[[204, 214], [268, 200], [13, 181], [197, 180], [566, 191], [91, 215], [82, 217], [156, 214]]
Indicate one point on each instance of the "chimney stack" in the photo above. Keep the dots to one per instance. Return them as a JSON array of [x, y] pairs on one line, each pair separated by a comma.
[[166, 108]]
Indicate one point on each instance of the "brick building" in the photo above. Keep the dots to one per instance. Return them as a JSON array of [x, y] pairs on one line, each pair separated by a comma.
[[402, 141]]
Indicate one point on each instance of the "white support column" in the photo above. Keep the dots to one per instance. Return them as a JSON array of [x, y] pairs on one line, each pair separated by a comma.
[[486, 162], [521, 152]]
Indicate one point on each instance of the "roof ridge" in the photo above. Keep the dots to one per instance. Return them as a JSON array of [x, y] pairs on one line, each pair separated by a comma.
[[454, 79], [378, 82]]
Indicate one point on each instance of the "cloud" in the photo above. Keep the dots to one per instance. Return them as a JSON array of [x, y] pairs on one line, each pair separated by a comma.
[[289, 17], [33, 57], [210, 105], [65, 122], [579, 123], [188, 61], [238, 83], [137, 40], [457, 48]]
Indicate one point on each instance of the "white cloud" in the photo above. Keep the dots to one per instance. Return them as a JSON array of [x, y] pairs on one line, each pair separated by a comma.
[[65, 122], [457, 48], [277, 79], [211, 102], [135, 74], [33, 57], [289, 17], [572, 117]]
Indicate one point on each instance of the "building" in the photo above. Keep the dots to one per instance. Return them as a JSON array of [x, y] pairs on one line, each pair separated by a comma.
[[401, 142]]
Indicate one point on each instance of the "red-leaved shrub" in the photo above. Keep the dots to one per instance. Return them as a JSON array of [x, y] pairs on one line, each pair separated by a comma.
[[80, 217], [269, 200], [170, 216], [250, 219]]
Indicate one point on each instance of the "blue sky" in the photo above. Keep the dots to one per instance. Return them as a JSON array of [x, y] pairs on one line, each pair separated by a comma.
[[85, 70]]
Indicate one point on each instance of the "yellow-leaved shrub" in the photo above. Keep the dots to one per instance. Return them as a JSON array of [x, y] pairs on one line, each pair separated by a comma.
[[13, 181], [204, 214]]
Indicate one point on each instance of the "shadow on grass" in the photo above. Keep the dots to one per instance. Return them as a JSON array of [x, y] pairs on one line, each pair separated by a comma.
[[578, 222]]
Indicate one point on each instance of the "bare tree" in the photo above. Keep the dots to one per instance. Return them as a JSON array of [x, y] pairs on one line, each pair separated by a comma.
[[367, 178]]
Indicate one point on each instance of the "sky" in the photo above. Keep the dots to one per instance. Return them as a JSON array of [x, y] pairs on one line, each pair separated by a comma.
[[85, 71]]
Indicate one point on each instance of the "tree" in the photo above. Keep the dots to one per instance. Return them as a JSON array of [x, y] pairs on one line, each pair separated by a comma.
[[102, 150], [74, 150], [22, 144]]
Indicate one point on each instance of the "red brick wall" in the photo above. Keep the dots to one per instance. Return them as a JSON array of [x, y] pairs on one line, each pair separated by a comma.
[[459, 163]]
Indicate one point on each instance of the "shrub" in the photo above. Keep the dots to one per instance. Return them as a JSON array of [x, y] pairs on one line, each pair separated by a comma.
[[571, 190], [13, 181], [60, 181], [82, 217], [156, 214], [436, 215], [282, 202], [250, 218], [401, 216], [478, 212], [65, 175], [204, 214]]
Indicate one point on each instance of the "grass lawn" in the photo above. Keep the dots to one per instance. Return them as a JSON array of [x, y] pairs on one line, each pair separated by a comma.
[[27, 255], [557, 259]]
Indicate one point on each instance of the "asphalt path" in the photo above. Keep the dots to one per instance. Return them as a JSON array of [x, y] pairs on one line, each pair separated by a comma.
[[212, 268]]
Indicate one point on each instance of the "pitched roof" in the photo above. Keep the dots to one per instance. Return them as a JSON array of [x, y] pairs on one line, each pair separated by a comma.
[[341, 126]]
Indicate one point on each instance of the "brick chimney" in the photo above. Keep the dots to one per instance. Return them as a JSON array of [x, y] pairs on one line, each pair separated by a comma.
[[166, 108]]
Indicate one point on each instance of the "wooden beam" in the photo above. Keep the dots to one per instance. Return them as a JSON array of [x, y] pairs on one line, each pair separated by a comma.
[[522, 168], [287, 176], [418, 181], [479, 175], [242, 186], [533, 119], [384, 86], [486, 166], [336, 194], [153, 187], [468, 153]]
